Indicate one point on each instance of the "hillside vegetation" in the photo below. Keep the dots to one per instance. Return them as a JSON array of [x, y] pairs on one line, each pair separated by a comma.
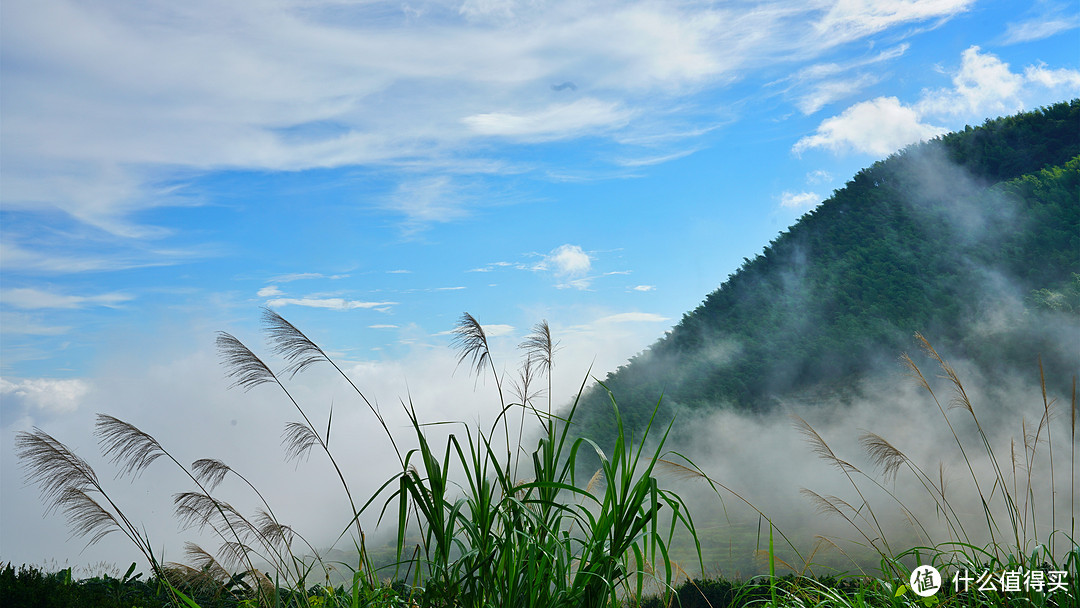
[[972, 238]]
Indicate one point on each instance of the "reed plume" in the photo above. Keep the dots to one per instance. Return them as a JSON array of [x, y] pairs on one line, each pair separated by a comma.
[[69, 484]]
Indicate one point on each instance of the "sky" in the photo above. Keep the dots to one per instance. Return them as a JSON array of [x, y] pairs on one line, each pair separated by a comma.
[[371, 170]]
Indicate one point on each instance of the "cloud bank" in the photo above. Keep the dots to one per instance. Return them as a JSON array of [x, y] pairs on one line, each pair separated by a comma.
[[983, 85]]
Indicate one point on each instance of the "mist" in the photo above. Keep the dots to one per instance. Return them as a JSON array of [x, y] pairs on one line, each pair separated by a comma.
[[767, 460], [1006, 353], [172, 385]]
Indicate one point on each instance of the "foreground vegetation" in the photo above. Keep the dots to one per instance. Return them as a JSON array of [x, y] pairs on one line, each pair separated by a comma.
[[478, 523], [481, 522]]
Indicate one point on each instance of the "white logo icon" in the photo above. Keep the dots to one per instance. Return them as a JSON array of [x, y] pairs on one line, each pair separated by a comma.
[[925, 581]]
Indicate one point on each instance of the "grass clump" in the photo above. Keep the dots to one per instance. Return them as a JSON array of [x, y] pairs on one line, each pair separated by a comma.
[[1023, 554], [480, 521]]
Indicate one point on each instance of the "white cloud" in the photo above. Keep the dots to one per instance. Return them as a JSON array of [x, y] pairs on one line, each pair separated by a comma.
[[1061, 79], [852, 19], [127, 100], [383, 326], [331, 303], [877, 127], [633, 317], [654, 160], [824, 93], [54, 396], [569, 263], [427, 200], [982, 86], [23, 324], [1055, 20], [555, 121], [492, 266], [14, 257], [496, 330], [300, 276], [819, 176], [800, 200], [269, 290], [31, 298], [644, 288], [821, 84]]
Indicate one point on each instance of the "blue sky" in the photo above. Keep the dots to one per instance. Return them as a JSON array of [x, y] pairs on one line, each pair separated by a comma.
[[373, 169]]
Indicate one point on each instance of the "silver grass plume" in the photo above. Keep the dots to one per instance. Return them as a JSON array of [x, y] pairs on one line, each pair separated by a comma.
[[819, 447], [915, 372], [86, 517], [272, 531], [52, 466], [960, 399], [822, 504], [66, 483], [210, 472], [539, 346], [247, 370], [883, 454], [235, 554], [298, 439], [198, 510], [202, 581], [830, 505], [291, 343], [471, 343], [125, 445], [205, 562], [522, 387]]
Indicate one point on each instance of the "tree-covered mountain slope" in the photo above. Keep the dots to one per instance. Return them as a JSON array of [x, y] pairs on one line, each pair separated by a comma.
[[972, 239]]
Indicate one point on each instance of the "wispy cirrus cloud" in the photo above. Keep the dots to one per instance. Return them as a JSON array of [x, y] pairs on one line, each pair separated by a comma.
[[633, 317], [30, 298], [328, 303], [821, 84], [654, 160], [498, 329], [853, 20], [493, 266], [23, 324], [301, 276], [98, 120], [42, 259], [556, 121], [428, 200], [1050, 19]]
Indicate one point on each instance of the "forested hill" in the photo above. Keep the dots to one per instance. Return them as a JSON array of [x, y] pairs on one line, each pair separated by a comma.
[[972, 239]]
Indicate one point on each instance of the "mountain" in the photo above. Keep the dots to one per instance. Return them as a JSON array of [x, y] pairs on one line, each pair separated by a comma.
[[972, 239]]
